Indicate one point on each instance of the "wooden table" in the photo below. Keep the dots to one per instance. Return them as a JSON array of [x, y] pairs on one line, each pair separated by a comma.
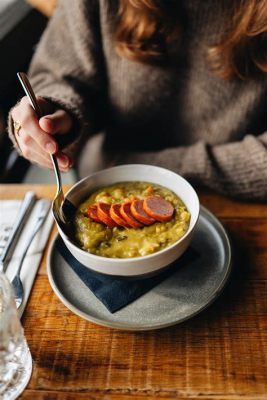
[[219, 354]]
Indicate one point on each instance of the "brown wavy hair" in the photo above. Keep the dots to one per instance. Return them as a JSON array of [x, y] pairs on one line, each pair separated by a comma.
[[146, 27]]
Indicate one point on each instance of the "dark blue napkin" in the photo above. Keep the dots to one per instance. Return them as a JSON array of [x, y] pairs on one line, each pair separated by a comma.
[[115, 293]]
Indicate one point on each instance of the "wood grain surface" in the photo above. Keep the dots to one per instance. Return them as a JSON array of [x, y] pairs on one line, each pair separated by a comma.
[[219, 354]]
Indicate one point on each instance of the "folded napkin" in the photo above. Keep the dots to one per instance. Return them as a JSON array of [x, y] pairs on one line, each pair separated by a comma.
[[115, 293], [8, 213]]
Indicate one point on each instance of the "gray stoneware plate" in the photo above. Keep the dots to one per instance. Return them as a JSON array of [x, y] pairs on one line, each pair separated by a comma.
[[179, 297]]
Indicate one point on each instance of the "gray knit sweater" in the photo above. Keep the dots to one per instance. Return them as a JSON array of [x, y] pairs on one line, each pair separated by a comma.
[[179, 116]]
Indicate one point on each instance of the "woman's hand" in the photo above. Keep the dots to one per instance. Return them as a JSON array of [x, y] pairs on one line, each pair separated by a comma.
[[35, 137]]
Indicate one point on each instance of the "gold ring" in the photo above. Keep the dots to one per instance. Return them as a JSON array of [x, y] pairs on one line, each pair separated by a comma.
[[17, 127]]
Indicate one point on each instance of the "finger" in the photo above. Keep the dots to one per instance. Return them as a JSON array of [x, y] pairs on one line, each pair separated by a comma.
[[46, 106], [29, 122], [28, 146], [36, 157], [41, 160], [58, 122], [26, 140], [63, 160]]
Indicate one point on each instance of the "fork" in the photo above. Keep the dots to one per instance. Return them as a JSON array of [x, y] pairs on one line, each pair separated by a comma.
[[16, 282], [62, 208]]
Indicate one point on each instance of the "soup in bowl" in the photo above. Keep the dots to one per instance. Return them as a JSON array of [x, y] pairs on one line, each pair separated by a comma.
[[131, 220]]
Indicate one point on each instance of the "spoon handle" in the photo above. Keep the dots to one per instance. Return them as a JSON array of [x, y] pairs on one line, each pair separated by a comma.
[[30, 93]]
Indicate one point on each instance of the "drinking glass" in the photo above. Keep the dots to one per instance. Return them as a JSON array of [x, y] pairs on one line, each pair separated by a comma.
[[15, 356]]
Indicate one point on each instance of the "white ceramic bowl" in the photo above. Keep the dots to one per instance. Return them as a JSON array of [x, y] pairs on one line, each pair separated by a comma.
[[137, 172]]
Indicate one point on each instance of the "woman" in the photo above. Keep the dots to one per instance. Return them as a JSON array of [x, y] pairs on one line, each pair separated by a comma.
[[180, 84]]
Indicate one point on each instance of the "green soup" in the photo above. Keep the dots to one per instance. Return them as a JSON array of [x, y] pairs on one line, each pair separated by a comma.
[[118, 242]]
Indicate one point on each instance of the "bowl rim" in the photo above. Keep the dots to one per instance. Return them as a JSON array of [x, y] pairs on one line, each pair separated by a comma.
[[139, 258]]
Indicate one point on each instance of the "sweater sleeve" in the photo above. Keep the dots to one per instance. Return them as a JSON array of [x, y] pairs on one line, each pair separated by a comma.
[[67, 67], [237, 169]]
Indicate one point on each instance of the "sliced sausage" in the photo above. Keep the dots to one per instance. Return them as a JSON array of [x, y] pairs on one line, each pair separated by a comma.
[[128, 216], [158, 208], [139, 213], [92, 213], [116, 215], [103, 214]]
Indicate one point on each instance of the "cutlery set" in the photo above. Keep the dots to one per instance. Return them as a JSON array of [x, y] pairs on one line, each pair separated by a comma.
[[24, 211], [41, 209], [16, 282]]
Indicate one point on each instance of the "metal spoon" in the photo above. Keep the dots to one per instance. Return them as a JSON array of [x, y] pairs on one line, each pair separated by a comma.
[[63, 209], [43, 208]]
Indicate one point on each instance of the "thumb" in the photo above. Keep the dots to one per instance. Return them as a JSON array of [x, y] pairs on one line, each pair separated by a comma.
[[58, 122]]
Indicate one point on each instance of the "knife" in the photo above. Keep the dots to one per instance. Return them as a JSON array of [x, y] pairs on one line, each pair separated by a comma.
[[25, 208]]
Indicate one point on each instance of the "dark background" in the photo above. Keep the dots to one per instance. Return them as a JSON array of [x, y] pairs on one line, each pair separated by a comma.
[[17, 44]]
